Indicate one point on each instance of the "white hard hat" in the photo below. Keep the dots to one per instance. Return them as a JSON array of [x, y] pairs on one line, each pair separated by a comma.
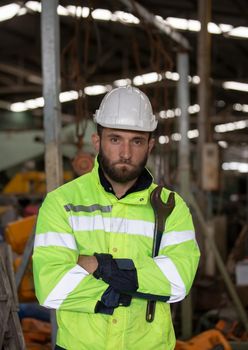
[[126, 108]]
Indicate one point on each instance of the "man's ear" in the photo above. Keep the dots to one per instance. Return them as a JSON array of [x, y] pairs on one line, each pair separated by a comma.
[[151, 144], [95, 139]]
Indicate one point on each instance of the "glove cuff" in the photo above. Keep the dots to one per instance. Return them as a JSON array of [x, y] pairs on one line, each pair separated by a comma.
[[102, 260]]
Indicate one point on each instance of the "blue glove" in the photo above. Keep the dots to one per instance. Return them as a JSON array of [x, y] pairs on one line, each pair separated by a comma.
[[120, 274], [110, 300]]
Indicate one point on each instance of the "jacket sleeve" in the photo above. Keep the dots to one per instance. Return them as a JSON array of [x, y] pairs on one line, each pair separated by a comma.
[[60, 283], [169, 276]]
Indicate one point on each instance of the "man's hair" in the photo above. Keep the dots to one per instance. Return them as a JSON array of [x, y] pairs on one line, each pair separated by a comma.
[[99, 130]]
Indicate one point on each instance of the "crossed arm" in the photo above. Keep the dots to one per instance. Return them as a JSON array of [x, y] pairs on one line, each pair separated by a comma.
[[89, 263], [68, 281]]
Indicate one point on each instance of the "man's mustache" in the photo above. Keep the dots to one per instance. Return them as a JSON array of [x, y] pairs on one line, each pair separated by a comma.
[[123, 161]]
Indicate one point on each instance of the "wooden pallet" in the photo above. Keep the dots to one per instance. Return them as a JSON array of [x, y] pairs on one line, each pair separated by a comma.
[[11, 336]]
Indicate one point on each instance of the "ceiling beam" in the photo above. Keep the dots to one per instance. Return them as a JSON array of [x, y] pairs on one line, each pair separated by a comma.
[[24, 73], [151, 18], [20, 89]]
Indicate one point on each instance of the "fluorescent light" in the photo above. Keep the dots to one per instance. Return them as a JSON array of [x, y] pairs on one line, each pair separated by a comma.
[[33, 5], [102, 14], [172, 76], [240, 108], [39, 101], [176, 136], [168, 75], [95, 90], [194, 109], [239, 32], [18, 107], [178, 112], [241, 124], [34, 103], [8, 11], [236, 166], [28, 104], [78, 11], [175, 76], [196, 79], [235, 85], [147, 78], [192, 134], [214, 28], [125, 17], [62, 11], [67, 96], [169, 113], [223, 144], [122, 82], [178, 23], [193, 25], [138, 80], [163, 139], [162, 114], [225, 27], [237, 107], [11, 10]]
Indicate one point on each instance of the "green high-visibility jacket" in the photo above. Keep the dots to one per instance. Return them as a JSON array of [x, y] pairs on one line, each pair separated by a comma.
[[81, 218]]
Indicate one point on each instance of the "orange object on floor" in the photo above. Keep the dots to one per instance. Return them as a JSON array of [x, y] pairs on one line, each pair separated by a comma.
[[207, 340], [232, 329], [36, 331], [36, 346], [26, 291]]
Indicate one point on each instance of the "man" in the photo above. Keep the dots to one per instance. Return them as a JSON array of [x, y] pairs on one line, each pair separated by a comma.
[[93, 248]]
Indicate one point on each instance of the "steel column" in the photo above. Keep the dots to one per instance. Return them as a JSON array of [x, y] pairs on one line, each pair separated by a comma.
[[51, 90], [203, 66], [184, 168], [183, 104], [52, 111]]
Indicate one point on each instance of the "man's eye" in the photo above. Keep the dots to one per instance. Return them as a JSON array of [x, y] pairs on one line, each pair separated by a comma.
[[114, 139], [137, 142]]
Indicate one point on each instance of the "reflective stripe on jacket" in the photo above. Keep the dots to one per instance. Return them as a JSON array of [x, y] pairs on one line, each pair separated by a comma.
[[80, 217]]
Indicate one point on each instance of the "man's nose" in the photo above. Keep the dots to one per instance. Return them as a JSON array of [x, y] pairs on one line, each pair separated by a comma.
[[125, 151]]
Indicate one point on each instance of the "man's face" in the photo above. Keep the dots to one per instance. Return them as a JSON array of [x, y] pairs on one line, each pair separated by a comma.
[[123, 153]]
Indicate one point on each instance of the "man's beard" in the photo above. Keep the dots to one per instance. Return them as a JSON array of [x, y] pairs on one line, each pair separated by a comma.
[[124, 173]]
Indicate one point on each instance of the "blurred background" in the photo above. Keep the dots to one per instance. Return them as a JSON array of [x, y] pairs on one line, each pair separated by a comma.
[[190, 58]]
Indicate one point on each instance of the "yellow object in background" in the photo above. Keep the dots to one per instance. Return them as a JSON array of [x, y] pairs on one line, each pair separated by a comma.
[[16, 235], [30, 182], [26, 290], [18, 232]]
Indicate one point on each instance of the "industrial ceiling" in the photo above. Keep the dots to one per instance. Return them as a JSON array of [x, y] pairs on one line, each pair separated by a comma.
[[97, 50]]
